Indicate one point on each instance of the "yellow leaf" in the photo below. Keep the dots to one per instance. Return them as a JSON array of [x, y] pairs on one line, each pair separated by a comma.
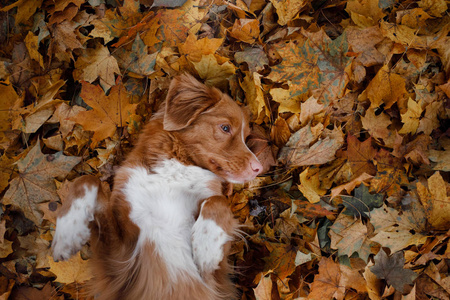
[[31, 41], [245, 30], [310, 185], [386, 87], [73, 270], [434, 7], [25, 9], [436, 202], [287, 9], [287, 102], [410, 119], [365, 13], [212, 72], [255, 97], [194, 49], [97, 63]]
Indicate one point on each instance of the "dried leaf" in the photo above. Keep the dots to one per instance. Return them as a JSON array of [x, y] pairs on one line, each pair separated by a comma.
[[35, 183], [108, 112], [391, 269]]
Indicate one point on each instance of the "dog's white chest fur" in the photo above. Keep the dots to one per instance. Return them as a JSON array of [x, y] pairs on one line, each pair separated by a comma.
[[163, 204]]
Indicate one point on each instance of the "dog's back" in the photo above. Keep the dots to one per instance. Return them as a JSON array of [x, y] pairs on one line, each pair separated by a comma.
[[165, 231]]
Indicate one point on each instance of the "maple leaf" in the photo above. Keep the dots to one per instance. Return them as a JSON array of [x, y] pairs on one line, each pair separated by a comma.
[[254, 57], [96, 63], [310, 186], [360, 156], [435, 200], [410, 119], [287, 10], [212, 72], [376, 125], [73, 270], [287, 102], [315, 65], [245, 30], [365, 13], [64, 40], [326, 283], [349, 236], [138, 60], [391, 269], [108, 112], [397, 230], [195, 48], [63, 115], [362, 203], [306, 148], [34, 184], [281, 259]]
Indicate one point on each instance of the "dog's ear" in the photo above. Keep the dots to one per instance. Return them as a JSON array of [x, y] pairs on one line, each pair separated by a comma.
[[187, 98]]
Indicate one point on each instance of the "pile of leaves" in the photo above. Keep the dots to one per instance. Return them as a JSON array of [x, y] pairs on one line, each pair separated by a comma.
[[350, 103]]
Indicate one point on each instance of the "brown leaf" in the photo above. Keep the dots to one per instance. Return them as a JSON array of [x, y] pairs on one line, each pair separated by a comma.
[[360, 156], [108, 112], [311, 146], [391, 269], [245, 30], [281, 259], [73, 270], [97, 63], [435, 200], [326, 283], [34, 183]]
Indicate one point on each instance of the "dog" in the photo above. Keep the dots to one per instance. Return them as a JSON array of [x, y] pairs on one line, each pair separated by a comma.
[[165, 231]]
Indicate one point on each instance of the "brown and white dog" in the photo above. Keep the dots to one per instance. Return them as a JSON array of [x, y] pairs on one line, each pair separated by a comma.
[[165, 231]]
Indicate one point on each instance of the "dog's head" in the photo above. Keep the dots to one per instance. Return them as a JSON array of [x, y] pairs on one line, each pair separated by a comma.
[[212, 128]]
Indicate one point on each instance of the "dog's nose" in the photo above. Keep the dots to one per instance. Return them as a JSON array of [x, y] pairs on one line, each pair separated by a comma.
[[256, 166]]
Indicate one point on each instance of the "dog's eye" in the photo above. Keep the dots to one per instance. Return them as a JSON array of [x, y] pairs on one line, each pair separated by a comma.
[[226, 128]]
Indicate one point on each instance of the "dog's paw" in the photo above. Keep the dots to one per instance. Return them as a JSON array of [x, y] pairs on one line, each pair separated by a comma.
[[72, 229], [208, 240]]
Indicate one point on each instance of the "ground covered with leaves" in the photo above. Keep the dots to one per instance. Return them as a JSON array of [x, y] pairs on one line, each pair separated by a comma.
[[350, 103]]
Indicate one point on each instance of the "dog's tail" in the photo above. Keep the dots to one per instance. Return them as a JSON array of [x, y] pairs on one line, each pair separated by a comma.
[[76, 214]]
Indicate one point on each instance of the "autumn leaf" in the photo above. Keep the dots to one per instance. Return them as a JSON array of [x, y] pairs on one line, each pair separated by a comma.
[[391, 269], [97, 63], [326, 283], [362, 202], [245, 30], [435, 200], [34, 183], [108, 112], [397, 230], [306, 67], [138, 60], [281, 259], [311, 146], [349, 236], [73, 270], [264, 289]]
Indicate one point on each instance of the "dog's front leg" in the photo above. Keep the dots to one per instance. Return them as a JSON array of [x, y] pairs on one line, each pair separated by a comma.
[[212, 234]]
